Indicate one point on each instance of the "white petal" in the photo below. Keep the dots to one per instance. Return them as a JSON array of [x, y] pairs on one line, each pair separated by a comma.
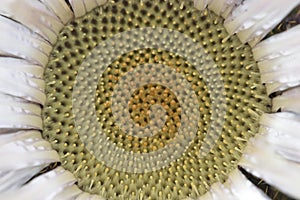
[[18, 41], [78, 7], [218, 192], [25, 149], [288, 101], [18, 104], [81, 7], [48, 186], [255, 19], [201, 4], [60, 8], [223, 7], [237, 187], [21, 85], [242, 188], [87, 196], [18, 114], [101, 2], [69, 193], [23, 154], [279, 58], [280, 73], [21, 66], [279, 45], [12, 179], [34, 15], [73, 192], [275, 154], [90, 5], [282, 132], [57, 184]]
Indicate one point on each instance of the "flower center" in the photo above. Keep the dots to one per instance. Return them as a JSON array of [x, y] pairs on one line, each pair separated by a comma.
[[190, 175]]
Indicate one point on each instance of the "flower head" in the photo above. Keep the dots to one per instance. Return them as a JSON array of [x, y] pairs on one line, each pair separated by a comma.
[[141, 99]]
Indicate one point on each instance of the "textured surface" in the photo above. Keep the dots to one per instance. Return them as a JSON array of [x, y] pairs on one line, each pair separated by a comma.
[[245, 97]]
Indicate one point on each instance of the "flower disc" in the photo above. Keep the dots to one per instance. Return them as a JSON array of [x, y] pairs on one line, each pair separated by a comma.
[[190, 175]]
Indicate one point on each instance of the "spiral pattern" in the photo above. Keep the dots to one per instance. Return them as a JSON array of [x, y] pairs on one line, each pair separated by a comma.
[[95, 65], [150, 99]]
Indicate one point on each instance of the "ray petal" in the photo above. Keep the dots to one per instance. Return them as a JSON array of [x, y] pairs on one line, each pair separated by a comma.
[[23, 154], [288, 101], [18, 41], [201, 4], [237, 187], [101, 2], [223, 7], [78, 7], [253, 20], [57, 184], [274, 155], [90, 4], [21, 66], [87, 196], [18, 114], [81, 7], [242, 188], [217, 192], [15, 178], [60, 8], [280, 73], [278, 60], [34, 15], [21, 85], [279, 45]]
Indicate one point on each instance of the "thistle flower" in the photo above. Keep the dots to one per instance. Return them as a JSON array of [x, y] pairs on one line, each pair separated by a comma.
[[148, 99]]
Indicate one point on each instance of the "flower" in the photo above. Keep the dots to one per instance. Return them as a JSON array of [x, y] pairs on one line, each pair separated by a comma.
[[243, 83]]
